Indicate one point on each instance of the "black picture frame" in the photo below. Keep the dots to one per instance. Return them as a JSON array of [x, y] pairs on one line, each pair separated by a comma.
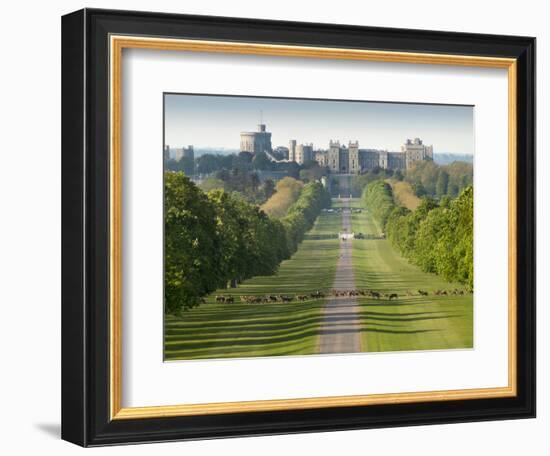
[[85, 228]]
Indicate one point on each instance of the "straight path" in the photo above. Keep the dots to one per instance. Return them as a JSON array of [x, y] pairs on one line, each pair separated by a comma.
[[341, 330]]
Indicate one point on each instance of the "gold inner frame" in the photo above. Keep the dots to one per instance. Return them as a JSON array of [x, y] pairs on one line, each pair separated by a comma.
[[117, 44]]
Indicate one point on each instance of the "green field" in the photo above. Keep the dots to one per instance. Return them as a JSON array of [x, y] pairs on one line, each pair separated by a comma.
[[242, 330], [407, 323]]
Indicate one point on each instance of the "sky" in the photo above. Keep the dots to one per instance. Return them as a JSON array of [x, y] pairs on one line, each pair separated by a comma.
[[217, 121]]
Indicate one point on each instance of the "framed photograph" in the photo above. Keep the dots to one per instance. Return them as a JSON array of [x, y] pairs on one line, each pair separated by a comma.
[[279, 227]]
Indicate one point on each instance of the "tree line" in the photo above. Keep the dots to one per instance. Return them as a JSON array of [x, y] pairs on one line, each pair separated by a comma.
[[217, 239], [437, 236], [302, 214], [427, 178], [360, 181], [208, 164]]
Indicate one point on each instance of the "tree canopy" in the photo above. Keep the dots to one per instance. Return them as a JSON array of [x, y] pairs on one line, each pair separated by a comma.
[[191, 243], [437, 236], [217, 239], [287, 191]]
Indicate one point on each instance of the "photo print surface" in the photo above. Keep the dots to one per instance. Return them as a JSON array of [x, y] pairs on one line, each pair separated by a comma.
[[316, 227]]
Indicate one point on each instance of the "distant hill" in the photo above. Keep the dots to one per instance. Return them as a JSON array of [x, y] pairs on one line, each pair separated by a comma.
[[445, 159]]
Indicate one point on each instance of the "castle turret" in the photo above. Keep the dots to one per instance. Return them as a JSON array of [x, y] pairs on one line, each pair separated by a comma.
[[334, 156], [415, 150], [292, 150], [383, 159], [255, 142], [304, 153], [354, 162]]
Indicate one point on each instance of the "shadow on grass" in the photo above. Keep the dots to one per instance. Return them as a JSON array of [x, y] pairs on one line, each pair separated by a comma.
[[377, 330], [259, 335], [293, 323]]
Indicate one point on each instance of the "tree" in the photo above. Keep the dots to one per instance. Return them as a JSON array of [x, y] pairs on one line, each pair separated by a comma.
[[457, 175], [442, 183], [229, 229], [418, 189], [261, 162], [269, 188], [211, 183], [215, 238], [378, 197], [191, 244], [185, 164], [398, 174], [438, 238], [452, 189], [302, 214], [424, 172], [359, 182], [243, 160], [210, 163], [427, 237], [445, 201], [455, 246], [460, 176], [396, 227], [254, 182], [287, 192], [224, 175], [312, 171]]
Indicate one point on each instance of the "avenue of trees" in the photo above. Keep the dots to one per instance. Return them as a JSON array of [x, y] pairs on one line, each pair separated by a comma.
[[437, 236], [217, 239], [378, 198], [302, 214]]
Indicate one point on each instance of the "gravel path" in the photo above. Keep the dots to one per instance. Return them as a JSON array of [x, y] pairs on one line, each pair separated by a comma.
[[341, 328]]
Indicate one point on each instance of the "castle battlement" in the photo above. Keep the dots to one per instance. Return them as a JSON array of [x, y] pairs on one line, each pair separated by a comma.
[[352, 160]]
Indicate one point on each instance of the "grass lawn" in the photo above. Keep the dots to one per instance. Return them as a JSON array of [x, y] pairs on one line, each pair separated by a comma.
[[416, 322], [409, 322], [243, 330]]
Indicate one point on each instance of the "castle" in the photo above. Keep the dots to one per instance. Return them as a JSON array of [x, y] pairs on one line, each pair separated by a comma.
[[339, 158], [255, 142], [353, 160]]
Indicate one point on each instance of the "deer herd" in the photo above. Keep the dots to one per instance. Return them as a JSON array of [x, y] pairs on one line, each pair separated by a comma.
[[273, 298]]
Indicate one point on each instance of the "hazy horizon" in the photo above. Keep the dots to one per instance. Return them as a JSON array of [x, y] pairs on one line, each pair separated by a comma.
[[210, 121]]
